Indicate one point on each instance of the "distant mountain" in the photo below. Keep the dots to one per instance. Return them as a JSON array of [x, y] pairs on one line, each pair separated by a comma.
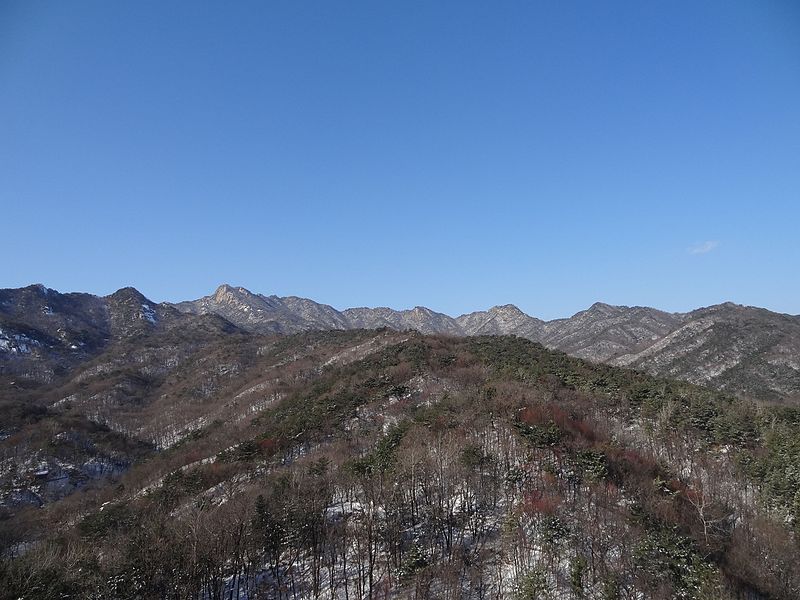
[[315, 315], [43, 332], [254, 312], [162, 447], [744, 350], [270, 314], [420, 319], [502, 320], [603, 332], [739, 349]]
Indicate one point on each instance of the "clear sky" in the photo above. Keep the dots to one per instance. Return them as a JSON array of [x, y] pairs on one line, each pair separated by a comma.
[[454, 154]]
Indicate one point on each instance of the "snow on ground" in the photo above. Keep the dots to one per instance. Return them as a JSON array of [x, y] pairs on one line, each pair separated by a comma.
[[149, 314], [16, 343]]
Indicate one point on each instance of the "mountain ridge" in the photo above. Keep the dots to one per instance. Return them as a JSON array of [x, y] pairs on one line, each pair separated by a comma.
[[736, 348], [181, 416]]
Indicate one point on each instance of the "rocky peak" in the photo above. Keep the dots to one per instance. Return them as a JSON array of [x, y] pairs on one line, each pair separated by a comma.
[[131, 313], [253, 312], [38, 289], [127, 295], [227, 294], [58, 330], [506, 308], [601, 308], [501, 320], [509, 311]]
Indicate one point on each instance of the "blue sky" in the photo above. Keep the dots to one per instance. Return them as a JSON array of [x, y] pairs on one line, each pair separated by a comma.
[[456, 154]]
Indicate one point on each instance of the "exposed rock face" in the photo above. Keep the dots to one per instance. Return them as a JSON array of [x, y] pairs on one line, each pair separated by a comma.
[[253, 312]]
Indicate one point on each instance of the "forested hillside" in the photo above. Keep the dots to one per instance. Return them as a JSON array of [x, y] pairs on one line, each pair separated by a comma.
[[380, 464]]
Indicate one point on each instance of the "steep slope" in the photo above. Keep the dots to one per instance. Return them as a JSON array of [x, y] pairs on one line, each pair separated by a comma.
[[130, 314], [41, 330], [604, 331], [316, 315], [150, 392], [44, 333], [735, 348], [346, 464], [254, 312], [502, 320]]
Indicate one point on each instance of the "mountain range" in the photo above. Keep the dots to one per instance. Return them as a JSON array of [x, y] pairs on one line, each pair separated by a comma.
[[734, 348], [222, 447], [743, 350]]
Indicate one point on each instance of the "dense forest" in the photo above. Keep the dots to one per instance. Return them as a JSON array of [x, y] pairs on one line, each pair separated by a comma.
[[388, 465]]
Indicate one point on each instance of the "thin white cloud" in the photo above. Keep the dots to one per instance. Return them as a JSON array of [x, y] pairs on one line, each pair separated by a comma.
[[703, 247]]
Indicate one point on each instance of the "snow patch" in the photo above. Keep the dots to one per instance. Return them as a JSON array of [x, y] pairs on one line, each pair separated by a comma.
[[16, 343], [149, 314]]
